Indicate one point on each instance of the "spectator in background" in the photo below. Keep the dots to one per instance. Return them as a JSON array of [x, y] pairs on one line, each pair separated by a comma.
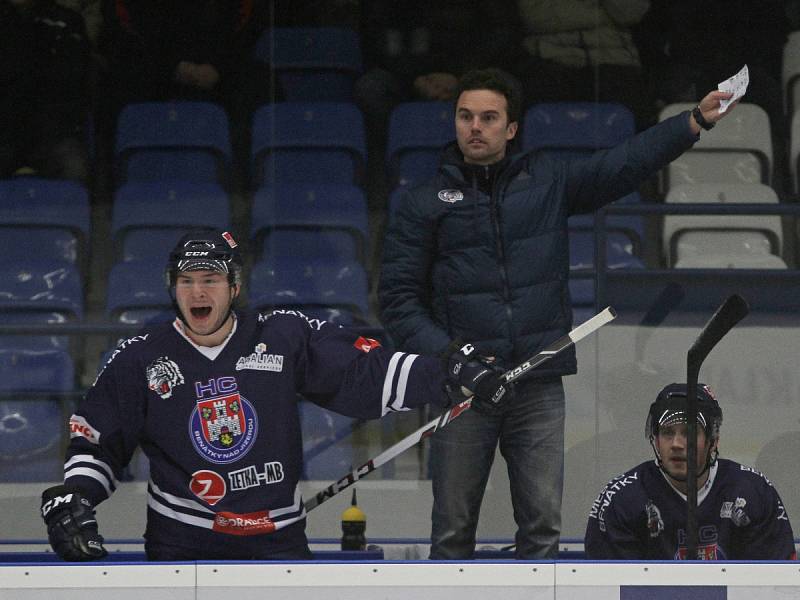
[[417, 51], [582, 50], [480, 252], [189, 50], [45, 93], [688, 46]]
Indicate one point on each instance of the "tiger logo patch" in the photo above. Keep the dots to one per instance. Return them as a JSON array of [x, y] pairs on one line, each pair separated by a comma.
[[162, 376]]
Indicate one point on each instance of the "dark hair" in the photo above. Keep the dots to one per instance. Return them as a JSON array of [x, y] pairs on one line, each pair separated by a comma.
[[498, 81]]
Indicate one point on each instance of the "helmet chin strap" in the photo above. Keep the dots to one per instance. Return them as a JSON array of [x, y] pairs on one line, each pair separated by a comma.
[[711, 459]]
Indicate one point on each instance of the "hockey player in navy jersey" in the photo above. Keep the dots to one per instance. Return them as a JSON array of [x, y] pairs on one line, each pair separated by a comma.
[[211, 399], [641, 514]]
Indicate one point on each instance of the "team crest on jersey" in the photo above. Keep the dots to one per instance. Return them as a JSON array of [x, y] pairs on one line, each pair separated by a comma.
[[261, 361], [224, 428], [451, 196], [162, 376], [655, 524]]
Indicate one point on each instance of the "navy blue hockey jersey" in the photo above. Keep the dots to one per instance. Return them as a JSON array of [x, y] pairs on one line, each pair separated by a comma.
[[740, 516], [221, 426]]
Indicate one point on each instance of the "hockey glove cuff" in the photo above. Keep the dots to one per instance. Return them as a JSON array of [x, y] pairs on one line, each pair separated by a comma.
[[471, 375], [71, 524]]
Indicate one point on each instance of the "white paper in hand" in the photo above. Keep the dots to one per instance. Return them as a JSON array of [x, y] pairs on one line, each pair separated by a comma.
[[737, 85]]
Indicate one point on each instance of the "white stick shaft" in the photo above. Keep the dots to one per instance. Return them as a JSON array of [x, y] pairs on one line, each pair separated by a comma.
[[580, 332]]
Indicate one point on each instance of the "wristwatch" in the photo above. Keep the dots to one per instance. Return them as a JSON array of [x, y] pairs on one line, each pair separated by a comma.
[[698, 116]]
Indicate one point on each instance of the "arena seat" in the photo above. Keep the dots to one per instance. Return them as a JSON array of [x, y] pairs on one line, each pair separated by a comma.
[[574, 129], [31, 341], [312, 63], [46, 218], [37, 284], [790, 77], [149, 217], [721, 234], [32, 421], [307, 284], [619, 251], [418, 131], [308, 142], [738, 151], [136, 292], [323, 458], [794, 150], [729, 260], [631, 226], [310, 220], [173, 140]]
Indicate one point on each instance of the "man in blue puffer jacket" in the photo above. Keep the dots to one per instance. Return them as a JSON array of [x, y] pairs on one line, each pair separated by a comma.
[[481, 252]]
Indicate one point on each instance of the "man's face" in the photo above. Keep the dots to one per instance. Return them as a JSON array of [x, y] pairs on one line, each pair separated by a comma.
[[482, 127], [204, 298], [672, 444]]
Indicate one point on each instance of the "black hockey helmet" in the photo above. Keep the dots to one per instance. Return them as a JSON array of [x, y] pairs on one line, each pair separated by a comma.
[[670, 409], [205, 250]]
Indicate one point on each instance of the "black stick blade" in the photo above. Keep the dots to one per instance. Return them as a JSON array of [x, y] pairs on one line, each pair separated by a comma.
[[733, 310]]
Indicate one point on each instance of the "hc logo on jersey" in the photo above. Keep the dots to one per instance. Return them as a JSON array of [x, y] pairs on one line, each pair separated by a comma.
[[223, 427]]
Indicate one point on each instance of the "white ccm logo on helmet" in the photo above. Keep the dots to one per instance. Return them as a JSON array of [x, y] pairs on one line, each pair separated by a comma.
[[193, 253]]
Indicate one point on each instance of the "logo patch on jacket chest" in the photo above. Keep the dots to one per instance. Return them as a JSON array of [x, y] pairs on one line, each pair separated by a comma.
[[451, 196]]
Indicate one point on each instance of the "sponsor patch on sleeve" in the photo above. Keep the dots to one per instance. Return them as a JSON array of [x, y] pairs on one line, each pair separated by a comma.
[[79, 427], [366, 344]]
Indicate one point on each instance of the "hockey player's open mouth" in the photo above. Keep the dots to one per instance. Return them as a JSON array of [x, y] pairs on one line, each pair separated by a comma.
[[201, 312]]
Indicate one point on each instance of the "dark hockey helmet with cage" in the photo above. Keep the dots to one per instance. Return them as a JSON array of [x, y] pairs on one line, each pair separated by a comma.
[[670, 409], [205, 250]]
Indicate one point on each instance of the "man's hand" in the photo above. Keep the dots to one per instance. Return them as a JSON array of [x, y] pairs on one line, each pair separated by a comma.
[[709, 108], [71, 524], [471, 375]]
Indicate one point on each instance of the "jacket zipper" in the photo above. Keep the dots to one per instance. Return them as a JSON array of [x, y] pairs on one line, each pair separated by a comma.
[[496, 219]]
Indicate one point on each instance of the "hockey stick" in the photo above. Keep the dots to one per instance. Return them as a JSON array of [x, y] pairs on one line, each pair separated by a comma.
[[564, 342], [670, 296], [733, 310]]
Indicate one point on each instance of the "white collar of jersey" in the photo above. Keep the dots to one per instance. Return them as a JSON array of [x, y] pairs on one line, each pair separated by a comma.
[[703, 491], [210, 352]]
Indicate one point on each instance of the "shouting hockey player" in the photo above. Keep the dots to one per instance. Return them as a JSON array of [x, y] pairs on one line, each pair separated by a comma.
[[642, 513], [211, 399]]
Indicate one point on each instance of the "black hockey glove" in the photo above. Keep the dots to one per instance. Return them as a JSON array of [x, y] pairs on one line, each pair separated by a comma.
[[71, 525], [471, 375]]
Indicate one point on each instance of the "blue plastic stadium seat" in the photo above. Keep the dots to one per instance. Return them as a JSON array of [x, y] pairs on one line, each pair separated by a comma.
[[311, 220], [32, 428], [173, 140], [326, 456], [149, 217], [417, 133], [575, 128], [619, 251], [137, 293], [308, 142], [46, 218], [312, 63], [294, 282], [32, 341], [41, 285], [632, 226]]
